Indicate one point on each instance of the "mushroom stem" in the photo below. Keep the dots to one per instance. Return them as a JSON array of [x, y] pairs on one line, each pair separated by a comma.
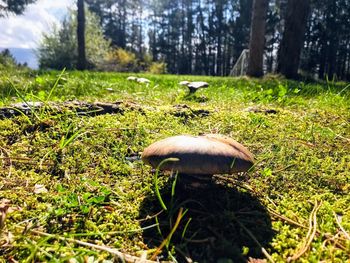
[[192, 90], [194, 181], [200, 177]]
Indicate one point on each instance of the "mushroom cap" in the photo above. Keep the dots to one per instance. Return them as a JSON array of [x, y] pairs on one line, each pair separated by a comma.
[[143, 80], [184, 83], [198, 84], [205, 155]]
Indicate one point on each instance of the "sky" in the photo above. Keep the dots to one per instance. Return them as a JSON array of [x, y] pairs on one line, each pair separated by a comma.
[[22, 33], [25, 31]]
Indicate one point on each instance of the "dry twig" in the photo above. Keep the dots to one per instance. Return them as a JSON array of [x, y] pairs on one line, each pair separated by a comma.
[[7, 158], [166, 240], [257, 193], [333, 242], [341, 227], [263, 250], [124, 257], [310, 234]]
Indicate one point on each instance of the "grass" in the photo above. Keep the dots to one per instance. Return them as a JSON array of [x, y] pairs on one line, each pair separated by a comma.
[[97, 192]]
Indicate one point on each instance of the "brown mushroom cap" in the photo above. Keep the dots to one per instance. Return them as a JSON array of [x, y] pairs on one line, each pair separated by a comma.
[[206, 155]]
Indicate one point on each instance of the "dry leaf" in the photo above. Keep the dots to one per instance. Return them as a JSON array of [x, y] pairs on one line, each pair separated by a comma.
[[39, 189]]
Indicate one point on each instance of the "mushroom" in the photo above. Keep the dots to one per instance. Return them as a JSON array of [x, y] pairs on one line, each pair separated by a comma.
[[132, 78], [184, 83], [194, 86], [199, 156], [139, 80], [143, 80]]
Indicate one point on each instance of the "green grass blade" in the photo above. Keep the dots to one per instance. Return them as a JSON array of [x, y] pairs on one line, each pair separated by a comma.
[[156, 185], [185, 228], [19, 94], [56, 84]]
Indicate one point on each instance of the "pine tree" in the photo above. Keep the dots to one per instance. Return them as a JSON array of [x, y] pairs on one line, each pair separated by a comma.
[[59, 48], [14, 7], [81, 65], [293, 37], [257, 38]]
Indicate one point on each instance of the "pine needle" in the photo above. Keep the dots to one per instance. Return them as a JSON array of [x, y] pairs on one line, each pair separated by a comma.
[[341, 227], [165, 241], [263, 250], [124, 257], [310, 234]]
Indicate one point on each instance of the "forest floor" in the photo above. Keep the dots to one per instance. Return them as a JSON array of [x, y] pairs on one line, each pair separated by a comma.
[[73, 188]]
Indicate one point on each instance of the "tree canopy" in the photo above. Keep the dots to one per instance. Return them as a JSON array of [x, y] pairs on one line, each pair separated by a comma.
[[59, 48], [206, 37]]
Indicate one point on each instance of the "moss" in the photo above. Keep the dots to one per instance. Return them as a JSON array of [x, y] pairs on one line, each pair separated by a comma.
[[105, 194]]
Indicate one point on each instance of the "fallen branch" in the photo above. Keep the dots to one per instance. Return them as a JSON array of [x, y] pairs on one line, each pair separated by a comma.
[[79, 107], [24, 160]]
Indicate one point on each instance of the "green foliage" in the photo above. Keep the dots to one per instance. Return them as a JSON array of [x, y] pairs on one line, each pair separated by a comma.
[[191, 39], [157, 68], [7, 59], [207, 39], [58, 49], [121, 60]]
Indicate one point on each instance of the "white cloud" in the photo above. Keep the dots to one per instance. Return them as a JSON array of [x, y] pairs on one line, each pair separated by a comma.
[[25, 31]]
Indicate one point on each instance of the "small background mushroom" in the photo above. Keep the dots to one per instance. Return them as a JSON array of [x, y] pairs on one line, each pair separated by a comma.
[[139, 80], [132, 78], [194, 86], [143, 80]]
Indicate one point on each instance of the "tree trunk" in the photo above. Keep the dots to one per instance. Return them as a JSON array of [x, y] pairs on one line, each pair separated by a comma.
[[257, 38], [322, 60], [293, 37], [333, 39], [189, 32], [81, 36], [219, 16], [203, 57]]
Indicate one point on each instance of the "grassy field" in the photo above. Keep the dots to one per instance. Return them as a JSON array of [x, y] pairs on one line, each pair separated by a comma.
[[73, 189]]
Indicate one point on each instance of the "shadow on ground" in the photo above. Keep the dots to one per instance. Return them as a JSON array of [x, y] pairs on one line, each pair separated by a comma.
[[214, 228]]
